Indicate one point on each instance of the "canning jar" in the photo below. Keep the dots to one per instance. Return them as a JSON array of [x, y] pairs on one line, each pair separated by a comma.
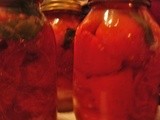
[[27, 63], [64, 16], [117, 62]]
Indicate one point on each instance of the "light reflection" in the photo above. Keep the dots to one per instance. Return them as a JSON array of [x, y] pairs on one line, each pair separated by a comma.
[[129, 35], [109, 20], [55, 21], [106, 14], [130, 5], [116, 23]]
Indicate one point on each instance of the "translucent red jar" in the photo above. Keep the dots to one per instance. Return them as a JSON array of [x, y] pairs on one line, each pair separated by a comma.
[[117, 62], [64, 16], [27, 63]]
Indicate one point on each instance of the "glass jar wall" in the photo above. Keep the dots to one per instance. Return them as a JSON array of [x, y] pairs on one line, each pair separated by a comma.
[[27, 67], [64, 16], [117, 62]]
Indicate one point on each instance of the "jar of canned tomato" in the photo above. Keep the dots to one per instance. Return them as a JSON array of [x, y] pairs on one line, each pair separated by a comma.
[[64, 16], [117, 62]]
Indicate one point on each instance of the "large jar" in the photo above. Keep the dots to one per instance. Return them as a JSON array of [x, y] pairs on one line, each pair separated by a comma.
[[117, 62], [64, 16], [27, 63]]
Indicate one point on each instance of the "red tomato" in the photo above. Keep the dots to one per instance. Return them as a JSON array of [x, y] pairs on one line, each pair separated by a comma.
[[92, 20], [91, 57], [60, 24], [123, 38], [56, 24]]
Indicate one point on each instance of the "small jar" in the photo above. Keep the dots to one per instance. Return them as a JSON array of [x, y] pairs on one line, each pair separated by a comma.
[[117, 62], [27, 63], [64, 16]]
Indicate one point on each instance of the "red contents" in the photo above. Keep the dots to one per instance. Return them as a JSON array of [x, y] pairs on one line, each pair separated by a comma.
[[113, 99], [27, 77], [114, 63]]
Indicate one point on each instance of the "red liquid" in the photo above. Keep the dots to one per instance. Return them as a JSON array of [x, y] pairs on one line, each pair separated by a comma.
[[116, 66], [27, 76]]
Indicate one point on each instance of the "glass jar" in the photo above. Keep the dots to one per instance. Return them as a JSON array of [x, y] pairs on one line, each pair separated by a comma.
[[64, 16], [27, 67], [117, 62]]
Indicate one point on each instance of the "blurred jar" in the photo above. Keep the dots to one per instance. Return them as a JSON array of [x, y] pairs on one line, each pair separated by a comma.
[[64, 16], [155, 9], [27, 67], [117, 62]]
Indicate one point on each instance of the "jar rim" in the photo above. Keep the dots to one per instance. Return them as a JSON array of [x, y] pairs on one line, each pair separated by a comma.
[[49, 5]]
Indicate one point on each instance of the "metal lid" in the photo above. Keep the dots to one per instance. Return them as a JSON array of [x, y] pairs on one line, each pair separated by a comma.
[[145, 2], [48, 5]]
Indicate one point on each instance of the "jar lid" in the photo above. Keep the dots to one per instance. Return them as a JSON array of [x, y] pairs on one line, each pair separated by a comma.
[[48, 5], [145, 2]]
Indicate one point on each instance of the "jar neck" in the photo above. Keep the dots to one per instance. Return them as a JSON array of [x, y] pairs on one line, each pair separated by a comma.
[[62, 12], [120, 3]]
